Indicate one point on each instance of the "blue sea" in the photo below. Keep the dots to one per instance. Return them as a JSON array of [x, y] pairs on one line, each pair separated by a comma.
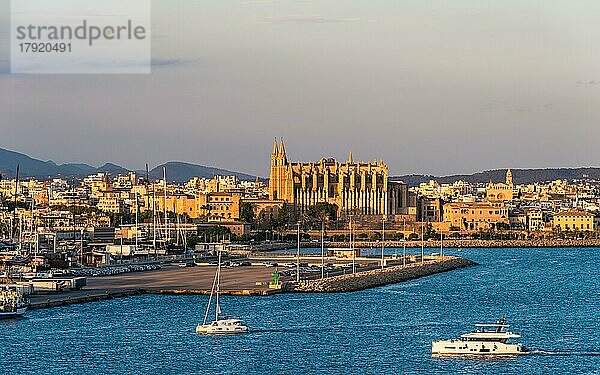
[[551, 296]]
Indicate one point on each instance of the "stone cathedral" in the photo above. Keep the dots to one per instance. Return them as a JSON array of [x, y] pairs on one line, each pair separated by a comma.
[[357, 188]]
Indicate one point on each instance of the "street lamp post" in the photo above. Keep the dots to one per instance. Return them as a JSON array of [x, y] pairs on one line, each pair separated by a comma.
[[382, 241], [352, 247], [322, 249], [298, 256], [422, 246]]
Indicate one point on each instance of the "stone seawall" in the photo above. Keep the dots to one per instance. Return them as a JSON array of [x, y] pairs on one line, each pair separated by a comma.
[[375, 278], [592, 242]]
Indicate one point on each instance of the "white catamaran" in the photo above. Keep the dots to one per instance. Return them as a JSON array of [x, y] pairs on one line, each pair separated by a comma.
[[489, 339], [222, 325]]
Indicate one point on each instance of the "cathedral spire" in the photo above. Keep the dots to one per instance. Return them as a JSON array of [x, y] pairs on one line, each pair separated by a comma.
[[350, 161], [275, 148], [282, 149]]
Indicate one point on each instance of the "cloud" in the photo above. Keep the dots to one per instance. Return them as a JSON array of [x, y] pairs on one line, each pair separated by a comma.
[[304, 19], [170, 62], [508, 106], [590, 82]]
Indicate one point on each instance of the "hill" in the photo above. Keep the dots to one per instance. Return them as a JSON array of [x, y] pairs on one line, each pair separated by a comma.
[[520, 176], [180, 171], [30, 167]]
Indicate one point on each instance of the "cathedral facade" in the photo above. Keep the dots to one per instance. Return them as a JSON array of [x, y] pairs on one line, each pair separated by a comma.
[[500, 192], [357, 188]]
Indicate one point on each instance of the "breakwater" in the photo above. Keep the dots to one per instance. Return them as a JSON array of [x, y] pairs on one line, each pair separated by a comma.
[[375, 278], [548, 242], [464, 243]]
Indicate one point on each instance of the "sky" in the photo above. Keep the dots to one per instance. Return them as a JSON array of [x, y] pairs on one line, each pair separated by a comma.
[[431, 87]]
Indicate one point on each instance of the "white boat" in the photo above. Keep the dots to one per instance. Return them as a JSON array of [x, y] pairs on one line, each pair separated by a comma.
[[489, 339], [12, 304], [222, 325]]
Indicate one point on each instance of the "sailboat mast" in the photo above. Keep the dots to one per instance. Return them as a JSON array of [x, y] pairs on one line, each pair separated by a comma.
[[422, 246], [323, 248], [212, 290], [165, 204], [14, 234], [352, 247], [382, 242], [136, 222], [298, 256], [217, 307], [153, 217]]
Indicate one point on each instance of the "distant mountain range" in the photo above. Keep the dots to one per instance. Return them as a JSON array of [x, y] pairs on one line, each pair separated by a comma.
[[520, 176], [181, 172], [30, 167]]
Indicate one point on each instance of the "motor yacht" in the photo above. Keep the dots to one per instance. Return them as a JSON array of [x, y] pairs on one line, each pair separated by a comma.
[[488, 339]]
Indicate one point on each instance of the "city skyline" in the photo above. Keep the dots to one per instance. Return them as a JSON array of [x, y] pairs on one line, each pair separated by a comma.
[[113, 163], [429, 88]]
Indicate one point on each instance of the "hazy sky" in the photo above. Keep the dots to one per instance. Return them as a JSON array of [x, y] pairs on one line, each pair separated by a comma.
[[435, 87]]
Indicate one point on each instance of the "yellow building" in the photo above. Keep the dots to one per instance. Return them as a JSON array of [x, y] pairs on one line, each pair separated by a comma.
[[573, 220], [109, 202], [359, 188], [472, 216], [220, 207], [178, 203], [500, 192]]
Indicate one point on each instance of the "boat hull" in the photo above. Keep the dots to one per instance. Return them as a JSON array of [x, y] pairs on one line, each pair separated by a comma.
[[13, 314], [475, 348], [220, 330]]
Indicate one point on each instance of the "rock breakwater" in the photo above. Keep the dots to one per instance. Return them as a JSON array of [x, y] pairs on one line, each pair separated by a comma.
[[375, 278]]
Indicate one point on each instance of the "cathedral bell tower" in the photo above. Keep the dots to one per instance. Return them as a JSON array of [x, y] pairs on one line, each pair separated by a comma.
[[509, 180]]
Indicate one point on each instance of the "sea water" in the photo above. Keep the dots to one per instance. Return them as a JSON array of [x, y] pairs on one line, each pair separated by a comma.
[[549, 295]]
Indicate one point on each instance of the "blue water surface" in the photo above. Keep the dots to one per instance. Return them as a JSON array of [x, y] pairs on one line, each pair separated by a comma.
[[550, 295]]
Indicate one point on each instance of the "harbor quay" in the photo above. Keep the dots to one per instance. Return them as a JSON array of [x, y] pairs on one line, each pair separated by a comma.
[[171, 279], [252, 280]]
